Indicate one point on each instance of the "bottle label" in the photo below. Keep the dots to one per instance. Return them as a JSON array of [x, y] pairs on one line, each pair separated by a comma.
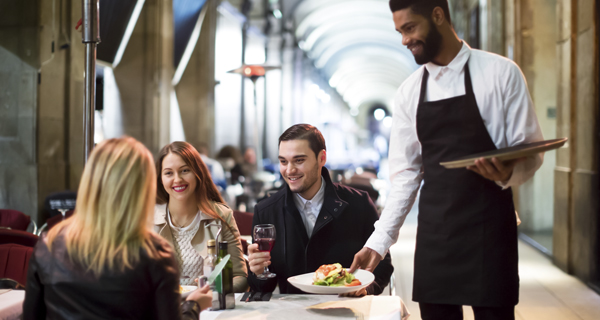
[[219, 284]]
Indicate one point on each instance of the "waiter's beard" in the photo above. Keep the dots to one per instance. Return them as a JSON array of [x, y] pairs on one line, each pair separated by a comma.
[[431, 46]]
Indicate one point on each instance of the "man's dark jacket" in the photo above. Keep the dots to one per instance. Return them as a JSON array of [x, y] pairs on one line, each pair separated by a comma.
[[342, 228]]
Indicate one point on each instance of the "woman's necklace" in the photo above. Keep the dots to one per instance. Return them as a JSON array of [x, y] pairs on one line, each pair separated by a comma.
[[176, 224]]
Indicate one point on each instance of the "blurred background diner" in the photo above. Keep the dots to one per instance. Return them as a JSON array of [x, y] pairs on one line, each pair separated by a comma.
[[229, 76]]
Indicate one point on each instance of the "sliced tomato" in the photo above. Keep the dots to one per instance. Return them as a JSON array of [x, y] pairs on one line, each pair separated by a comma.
[[354, 283]]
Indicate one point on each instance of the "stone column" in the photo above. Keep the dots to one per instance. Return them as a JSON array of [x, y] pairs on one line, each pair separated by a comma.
[[196, 90], [576, 174], [145, 73], [493, 29], [19, 63], [530, 42], [60, 123]]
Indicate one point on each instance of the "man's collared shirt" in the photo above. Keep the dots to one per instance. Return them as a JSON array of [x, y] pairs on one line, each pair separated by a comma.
[[309, 209]]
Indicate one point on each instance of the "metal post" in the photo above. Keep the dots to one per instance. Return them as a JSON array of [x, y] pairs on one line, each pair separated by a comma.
[[246, 6], [257, 140], [91, 38]]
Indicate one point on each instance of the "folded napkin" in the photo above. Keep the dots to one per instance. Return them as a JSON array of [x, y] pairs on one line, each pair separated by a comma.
[[384, 307]]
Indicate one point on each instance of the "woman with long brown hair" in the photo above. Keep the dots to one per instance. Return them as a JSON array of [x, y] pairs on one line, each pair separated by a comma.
[[187, 202], [105, 261]]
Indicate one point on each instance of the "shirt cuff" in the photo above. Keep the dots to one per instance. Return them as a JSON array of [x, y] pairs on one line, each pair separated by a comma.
[[514, 179], [379, 241]]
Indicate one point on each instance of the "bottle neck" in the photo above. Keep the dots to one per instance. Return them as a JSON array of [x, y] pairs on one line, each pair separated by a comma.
[[212, 251], [222, 249]]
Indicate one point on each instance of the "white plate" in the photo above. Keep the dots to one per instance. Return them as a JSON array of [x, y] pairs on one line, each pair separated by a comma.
[[187, 290], [304, 283]]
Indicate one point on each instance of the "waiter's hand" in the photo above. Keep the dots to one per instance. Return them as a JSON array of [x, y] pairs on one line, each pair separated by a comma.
[[258, 260], [495, 170], [358, 293], [367, 259]]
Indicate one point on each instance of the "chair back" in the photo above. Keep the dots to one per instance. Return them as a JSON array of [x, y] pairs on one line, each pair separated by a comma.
[[18, 237], [244, 222], [14, 219], [17, 261], [57, 219], [59, 200]]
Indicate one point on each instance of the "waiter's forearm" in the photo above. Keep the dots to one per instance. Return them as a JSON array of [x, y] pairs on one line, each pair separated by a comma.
[[399, 203]]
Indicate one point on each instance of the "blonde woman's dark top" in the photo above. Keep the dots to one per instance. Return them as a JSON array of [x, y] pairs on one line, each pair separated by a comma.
[[57, 288]]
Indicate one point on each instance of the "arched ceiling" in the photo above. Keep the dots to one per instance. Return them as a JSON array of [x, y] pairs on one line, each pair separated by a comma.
[[355, 45]]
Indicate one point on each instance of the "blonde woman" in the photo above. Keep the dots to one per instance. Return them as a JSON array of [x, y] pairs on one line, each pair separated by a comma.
[[105, 262], [188, 201]]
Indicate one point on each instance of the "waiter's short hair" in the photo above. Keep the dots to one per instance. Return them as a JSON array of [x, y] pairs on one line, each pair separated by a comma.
[[421, 7], [304, 131]]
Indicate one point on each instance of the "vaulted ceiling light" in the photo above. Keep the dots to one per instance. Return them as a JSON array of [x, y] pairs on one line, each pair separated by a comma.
[[356, 48]]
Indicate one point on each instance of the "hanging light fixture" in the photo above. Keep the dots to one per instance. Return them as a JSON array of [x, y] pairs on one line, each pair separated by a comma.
[[253, 72]]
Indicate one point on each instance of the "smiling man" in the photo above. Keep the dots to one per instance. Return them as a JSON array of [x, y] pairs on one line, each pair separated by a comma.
[[317, 221], [461, 102]]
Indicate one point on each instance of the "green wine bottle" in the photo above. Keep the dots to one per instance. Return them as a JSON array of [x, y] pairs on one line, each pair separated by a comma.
[[224, 282]]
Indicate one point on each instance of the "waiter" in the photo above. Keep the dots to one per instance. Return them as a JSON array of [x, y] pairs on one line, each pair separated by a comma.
[[461, 102]]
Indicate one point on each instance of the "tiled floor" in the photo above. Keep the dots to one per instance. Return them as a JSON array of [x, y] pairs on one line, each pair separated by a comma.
[[546, 293]]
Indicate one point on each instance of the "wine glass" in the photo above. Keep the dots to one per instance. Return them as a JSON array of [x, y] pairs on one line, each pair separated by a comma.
[[264, 235]]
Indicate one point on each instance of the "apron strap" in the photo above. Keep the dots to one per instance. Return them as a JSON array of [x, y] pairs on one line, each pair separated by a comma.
[[423, 85]]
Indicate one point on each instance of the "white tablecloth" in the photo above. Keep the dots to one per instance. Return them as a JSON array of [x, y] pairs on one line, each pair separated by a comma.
[[308, 306], [281, 306], [11, 304]]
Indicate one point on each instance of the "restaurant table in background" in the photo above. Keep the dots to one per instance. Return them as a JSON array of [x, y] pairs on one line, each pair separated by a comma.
[[11, 304], [309, 306]]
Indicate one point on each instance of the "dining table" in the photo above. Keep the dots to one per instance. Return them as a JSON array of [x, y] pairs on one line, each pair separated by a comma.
[[280, 306], [311, 306], [11, 304]]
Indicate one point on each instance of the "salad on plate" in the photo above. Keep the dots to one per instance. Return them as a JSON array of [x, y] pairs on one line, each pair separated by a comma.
[[333, 275]]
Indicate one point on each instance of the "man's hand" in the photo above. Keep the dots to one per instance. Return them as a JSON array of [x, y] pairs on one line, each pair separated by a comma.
[[258, 260], [495, 170], [367, 259], [358, 293]]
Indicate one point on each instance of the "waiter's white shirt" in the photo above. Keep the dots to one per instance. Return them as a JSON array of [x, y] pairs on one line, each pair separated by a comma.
[[309, 209], [505, 107]]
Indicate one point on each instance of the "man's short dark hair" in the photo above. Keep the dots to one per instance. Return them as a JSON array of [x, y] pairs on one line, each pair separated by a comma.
[[421, 7], [303, 131]]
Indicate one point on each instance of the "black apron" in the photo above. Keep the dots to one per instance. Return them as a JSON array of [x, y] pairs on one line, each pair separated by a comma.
[[466, 251]]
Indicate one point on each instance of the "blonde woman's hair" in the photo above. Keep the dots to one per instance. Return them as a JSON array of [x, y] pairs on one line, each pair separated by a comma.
[[109, 228]]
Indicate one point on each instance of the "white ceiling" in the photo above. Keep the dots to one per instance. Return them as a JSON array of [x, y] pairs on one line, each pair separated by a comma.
[[356, 46]]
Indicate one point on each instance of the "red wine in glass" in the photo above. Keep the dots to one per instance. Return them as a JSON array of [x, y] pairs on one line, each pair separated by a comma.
[[265, 244], [264, 236]]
